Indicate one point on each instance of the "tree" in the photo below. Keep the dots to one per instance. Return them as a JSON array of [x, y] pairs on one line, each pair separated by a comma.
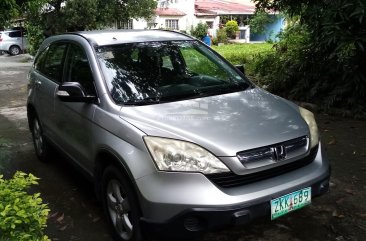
[[332, 59], [49, 17], [9, 9], [123, 10], [259, 22]]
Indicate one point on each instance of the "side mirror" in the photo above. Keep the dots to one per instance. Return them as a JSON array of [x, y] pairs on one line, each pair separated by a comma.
[[240, 67], [73, 92]]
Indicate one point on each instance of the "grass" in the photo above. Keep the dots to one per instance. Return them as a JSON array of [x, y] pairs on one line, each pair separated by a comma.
[[243, 53]]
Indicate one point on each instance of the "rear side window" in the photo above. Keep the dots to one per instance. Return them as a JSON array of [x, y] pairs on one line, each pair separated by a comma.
[[38, 63], [53, 62], [15, 34]]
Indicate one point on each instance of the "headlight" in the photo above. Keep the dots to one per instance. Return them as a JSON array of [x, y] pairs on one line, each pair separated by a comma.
[[182, 156], [310, 120]]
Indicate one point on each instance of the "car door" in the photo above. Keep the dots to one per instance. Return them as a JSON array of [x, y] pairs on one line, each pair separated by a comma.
[[45, 77], [74, 120]]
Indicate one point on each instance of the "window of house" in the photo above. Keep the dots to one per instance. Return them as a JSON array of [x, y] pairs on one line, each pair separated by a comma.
[[125, 24], [172, 24], [209, 24]]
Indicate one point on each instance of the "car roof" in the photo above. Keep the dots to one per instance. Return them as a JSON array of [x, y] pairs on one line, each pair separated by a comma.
[[10, 30], [110, 37]]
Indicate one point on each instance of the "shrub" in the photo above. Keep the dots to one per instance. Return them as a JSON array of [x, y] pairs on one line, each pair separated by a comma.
[[23, 216], [245, 54], [200, 30], [221, 35], [326, 66], [231, 27]]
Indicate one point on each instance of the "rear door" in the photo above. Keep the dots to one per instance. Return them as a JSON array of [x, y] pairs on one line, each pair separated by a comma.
[[46, 76]]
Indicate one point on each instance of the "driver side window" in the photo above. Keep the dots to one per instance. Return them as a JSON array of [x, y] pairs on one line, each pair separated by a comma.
[[79, 69]]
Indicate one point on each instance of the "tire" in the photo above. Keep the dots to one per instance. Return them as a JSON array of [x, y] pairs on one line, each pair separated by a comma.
[[41, 146], [121, 206], [14, 50]]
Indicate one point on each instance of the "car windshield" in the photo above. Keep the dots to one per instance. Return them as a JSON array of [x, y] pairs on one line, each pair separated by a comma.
[[154, 72]]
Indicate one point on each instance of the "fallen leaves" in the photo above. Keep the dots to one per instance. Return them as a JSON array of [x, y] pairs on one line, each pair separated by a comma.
[[333, 141], [350, 191], [361, 215], [336, 214], [61, 218]]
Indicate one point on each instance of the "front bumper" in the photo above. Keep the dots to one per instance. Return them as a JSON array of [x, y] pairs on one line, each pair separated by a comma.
[[186, 205], [195, 222]]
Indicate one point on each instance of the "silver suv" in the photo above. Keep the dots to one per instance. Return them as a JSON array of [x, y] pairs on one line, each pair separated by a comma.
[[13, 42], [177, 140]]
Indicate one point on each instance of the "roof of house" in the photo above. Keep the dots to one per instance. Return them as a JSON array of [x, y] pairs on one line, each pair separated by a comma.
[[223, 7], [169, 12]]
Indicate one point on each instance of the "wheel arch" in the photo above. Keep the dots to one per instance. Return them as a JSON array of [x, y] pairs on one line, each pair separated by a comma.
[[31, 112], [105, 158]]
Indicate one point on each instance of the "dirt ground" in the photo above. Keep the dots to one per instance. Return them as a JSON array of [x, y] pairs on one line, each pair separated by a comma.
[[76, 215]]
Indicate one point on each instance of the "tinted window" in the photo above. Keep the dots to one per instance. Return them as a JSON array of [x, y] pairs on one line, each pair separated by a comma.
[[38, 63], [79, 69], [53, 63], [15, 34], [151, 72]]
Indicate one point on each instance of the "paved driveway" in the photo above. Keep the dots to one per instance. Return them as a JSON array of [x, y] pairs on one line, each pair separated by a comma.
[[76, 215]]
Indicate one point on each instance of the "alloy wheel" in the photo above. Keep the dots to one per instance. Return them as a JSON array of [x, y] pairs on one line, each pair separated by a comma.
[[14, 50], [119, 209], [37, 136]]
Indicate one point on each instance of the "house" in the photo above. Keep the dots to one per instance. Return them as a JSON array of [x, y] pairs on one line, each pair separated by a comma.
[[183, 15]]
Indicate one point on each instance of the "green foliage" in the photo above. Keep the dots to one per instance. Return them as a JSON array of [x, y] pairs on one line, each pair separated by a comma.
[[22, 216], [243, 53], [8, 9], [327, 65], [278, 69], [221, 36], [231, 27], [34, 24], [200, 30], [73, 20], [35, 37], [79, 15], [259, 22], [123, 10]]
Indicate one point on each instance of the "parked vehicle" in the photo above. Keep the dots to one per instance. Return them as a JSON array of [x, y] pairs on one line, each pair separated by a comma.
[[13, 41], [176, 139]]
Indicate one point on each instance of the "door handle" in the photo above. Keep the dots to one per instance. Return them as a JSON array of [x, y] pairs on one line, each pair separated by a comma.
[[38, 82]]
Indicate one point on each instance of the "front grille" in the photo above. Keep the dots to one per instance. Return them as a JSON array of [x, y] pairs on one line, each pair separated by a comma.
[[230, 179], [268, 154]]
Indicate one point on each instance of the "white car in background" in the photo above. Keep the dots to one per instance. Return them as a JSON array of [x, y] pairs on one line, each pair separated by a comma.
[[13, 41]]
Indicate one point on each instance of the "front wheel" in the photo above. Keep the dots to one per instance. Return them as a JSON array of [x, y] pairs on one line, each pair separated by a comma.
[[120, 205]]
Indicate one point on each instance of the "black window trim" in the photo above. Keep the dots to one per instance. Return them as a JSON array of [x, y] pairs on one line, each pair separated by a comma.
[[66, 67], [46, 49]]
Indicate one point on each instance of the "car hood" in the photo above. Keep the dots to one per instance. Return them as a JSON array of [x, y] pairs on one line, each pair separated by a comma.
[[223, 124]]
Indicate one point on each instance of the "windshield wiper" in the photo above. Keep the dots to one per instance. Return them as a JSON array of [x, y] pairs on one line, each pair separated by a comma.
[[146, 101]]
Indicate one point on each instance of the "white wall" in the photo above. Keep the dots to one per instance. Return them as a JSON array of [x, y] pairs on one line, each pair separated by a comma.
[[215, 20], [185, 22], [139, 24]]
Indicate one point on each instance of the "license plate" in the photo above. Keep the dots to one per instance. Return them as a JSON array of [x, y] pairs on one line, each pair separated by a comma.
[[290, 202]]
